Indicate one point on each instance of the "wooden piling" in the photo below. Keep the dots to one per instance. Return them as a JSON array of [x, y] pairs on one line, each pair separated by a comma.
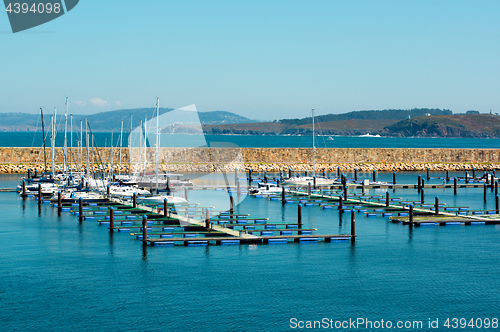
[[497, 200], [36, 173], [309, 189], [144, 228], [24, 189], [59, 202], [314, 182], [363, 188], [338, 171], [186, 193], [299, 216], [353, 226], [207, 218], [386, 198], [466, 177], [436, 205], [168, 182], [393, 177], [340, 203], [374, 175], [29, 173], [324, 174], [80, 209], [165, 208], [250, 175], [355, 174], [496, 188], [455, 185], [39, 193], [111, 219], [283, 196], [473, 173], [419, 185], [428, 176], [422, 195], [411, 216], [134, 200], [289, 172], [108, 192], [345, 191], [484, 192], [305, 173], [447, 176], [265, 176]]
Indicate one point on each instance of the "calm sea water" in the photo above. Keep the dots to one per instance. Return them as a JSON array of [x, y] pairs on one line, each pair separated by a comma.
[[61, 275], [34, 139]]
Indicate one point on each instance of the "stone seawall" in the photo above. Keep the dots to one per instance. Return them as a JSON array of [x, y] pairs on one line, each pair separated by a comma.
[[18, 160]]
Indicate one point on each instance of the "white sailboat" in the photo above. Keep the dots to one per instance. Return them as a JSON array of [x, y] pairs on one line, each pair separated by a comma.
[[305, 180]]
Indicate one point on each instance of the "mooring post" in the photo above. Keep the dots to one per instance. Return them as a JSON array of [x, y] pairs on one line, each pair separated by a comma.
[[29, 173], [428, 176], [324, 174], [423, 183], [281, 176], [422, 195], [309, 189], [494, 174], [411, 215], [338, 171], [108, 192], [419, 186], [314, 182], [59, 202], [484, 192], [355, 174], [299, 216], [387, 198], [340, 203], [455, 185], [68, 182], [111, 219], [80, 208], [207, 218], [24, 189], [39, 193], [487, 178], [168, 182], [363, 188], [473, 173], [305, 173], [466, 177], [144, 228], [165, 208], [353, 226], [36, 173], [283, 196], [393, 177], [345, 191], [374, 175], [265, 176], [497, 200], [250, 175], [447, 176], [231, 205], [289, 172], [496, 188], [134, 200], [436, 205]]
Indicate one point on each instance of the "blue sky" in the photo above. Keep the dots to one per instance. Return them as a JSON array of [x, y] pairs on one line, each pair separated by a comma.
[[261, 59]]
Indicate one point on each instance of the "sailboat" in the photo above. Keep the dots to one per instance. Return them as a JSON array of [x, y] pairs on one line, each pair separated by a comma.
[[305, 180]]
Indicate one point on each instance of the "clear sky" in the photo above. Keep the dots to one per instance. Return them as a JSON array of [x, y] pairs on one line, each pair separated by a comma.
[[262, 59]]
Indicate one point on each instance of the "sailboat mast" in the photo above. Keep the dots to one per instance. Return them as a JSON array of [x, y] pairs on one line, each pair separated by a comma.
[[71, 145], [43, 138], [121, 145], [65, 154], [87, 146], [157, 139], [53, 142], [130, 147], [314, 148], [145, 143], [81, 145]]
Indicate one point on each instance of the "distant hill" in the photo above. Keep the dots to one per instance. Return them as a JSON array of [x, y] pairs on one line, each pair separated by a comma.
[[108, 121], [391, 114], [458, 125]]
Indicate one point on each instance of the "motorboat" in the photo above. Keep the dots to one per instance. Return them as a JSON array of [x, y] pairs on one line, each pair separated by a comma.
[[267, 189]]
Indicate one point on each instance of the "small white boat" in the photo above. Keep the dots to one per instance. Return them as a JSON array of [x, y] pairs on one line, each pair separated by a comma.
[[369, 135], [160, 199], [305, 180], [267, 189], [330, 138], [126, 191]]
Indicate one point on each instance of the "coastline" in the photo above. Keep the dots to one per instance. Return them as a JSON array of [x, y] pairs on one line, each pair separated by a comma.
[[202, 160]]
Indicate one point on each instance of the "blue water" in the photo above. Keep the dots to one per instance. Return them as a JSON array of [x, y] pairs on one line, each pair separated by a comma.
[[61, 275], [34, 139]]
